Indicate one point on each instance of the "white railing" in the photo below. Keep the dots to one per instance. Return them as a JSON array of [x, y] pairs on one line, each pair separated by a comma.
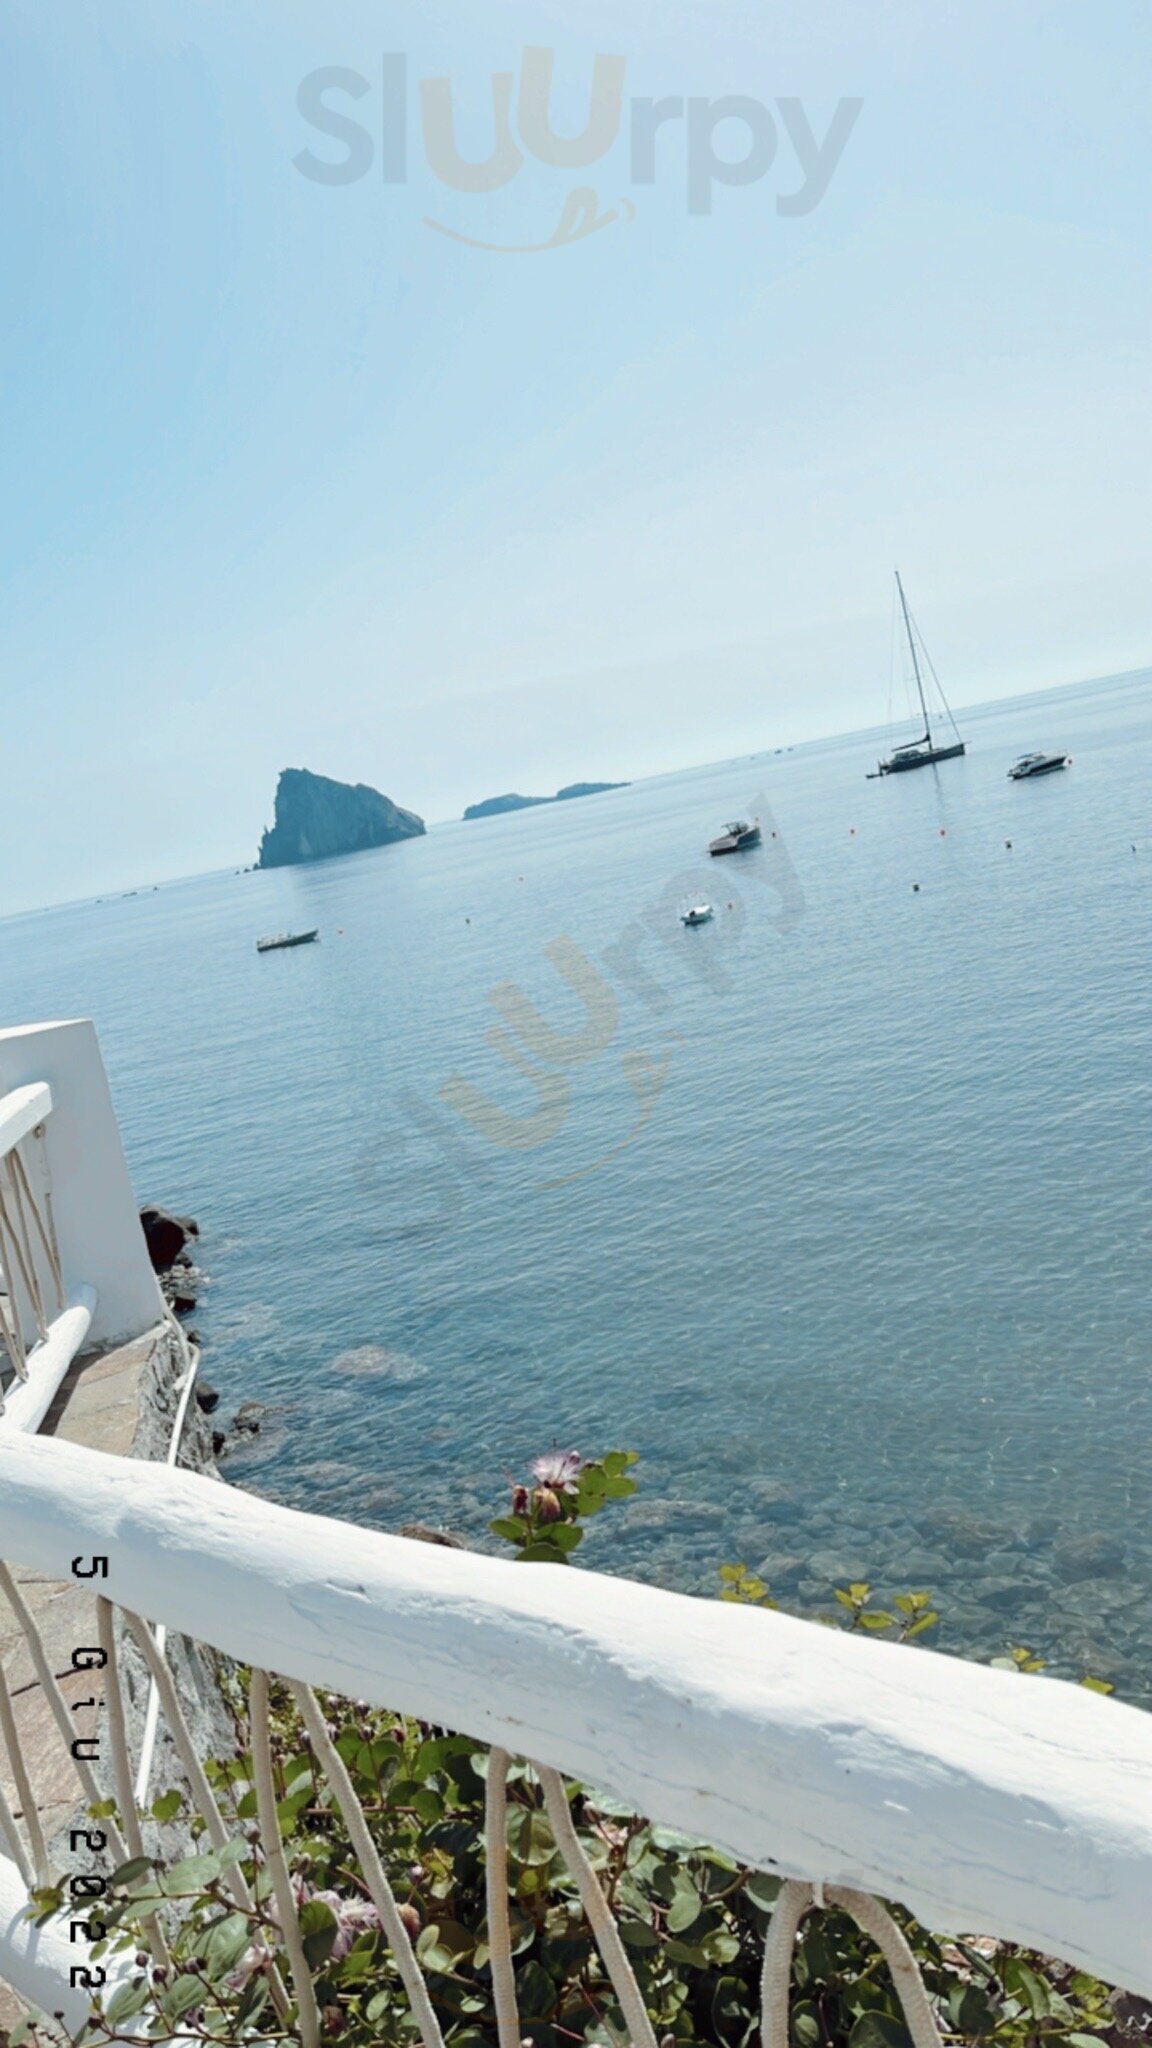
[[858, 1771], [40, 1330], [73, 1264], [31, 1287]]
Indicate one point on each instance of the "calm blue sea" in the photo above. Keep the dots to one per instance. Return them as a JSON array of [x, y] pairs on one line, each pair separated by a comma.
[[837, 1210]]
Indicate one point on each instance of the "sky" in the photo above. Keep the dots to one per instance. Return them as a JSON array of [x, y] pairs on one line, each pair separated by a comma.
[[297, 474]]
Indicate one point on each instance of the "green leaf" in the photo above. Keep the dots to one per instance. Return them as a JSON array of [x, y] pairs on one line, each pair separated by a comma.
[[512, 1528], [879, 2030], [1020, 1981], [928, 1620], [638, 1934], [565, 1535], [619, 1489], [168, 1805], [542, 1551], [184, 1994], [319, 1929], [685, 1952], [224, 1944], [192, 1873], [535, 1991], [130, 1873], [763, 1890], [530, 1838], [733, 1572], [971, 2011], [1091, 1684], [686, 1906], [876, 1621], [128, 2001], [860, 1592], [806, 2029]]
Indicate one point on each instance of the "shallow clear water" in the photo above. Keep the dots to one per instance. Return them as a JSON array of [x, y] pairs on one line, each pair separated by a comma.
[[841, 1219]]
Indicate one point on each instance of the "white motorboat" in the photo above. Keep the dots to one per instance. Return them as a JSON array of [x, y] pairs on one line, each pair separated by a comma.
[[696, 913], [1036, 764]]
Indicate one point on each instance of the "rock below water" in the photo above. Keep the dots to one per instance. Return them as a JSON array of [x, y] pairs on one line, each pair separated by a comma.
[[317, 818]]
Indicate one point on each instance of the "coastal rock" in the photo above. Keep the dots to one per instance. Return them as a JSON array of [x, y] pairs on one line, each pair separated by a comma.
[[419, 1532], [317, 818], [494, 806], [248, 1418], [207, 1397], [166, 1236]]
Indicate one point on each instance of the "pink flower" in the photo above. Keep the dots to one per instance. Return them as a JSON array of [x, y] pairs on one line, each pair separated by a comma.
[[558, 1469], [353, 1918], [253, 1960]]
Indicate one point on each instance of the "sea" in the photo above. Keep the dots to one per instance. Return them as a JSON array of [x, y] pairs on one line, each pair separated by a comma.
[[837, 1210]]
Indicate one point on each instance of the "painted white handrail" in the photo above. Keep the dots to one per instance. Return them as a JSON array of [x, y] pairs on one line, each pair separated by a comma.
[[21, 1110], [983, 1801]]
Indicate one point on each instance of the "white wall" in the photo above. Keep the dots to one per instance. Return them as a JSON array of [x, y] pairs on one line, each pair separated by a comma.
[[97, 1222]]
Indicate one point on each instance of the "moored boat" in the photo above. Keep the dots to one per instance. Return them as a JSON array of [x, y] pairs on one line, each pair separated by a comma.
[[921, 753], [1036, 764], [696, 913], [283, 939], [737, 836]]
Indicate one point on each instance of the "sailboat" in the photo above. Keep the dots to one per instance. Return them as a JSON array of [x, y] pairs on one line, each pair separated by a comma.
[[924, 752]]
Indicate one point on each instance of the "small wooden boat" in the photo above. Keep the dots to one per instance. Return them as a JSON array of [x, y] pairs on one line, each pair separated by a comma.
[[283, 939]]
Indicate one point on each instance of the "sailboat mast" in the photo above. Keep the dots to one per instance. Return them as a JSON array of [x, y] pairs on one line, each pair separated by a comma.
[[915, 658]]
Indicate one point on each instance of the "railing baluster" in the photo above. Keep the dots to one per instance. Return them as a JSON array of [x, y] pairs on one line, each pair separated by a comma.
[[496, 1892], [25, 1794], [597, 1909], [57, 1702], [45, 1234], [203, 1796], [118, 1736], [13, 1221], [308, 2016], [10, 1326], [11, 1834], [792, 1903], [877, 1921], [376, 1877]]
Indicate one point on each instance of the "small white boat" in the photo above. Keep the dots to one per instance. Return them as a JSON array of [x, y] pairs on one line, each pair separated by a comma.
[[283, 939], [1036, 764], [737, 837], [696, 913]]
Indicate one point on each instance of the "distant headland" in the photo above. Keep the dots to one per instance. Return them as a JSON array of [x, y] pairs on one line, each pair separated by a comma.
[[316, 818], [492, 806]]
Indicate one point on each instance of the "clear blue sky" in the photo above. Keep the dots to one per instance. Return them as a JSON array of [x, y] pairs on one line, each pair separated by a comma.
[[291, 478]]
